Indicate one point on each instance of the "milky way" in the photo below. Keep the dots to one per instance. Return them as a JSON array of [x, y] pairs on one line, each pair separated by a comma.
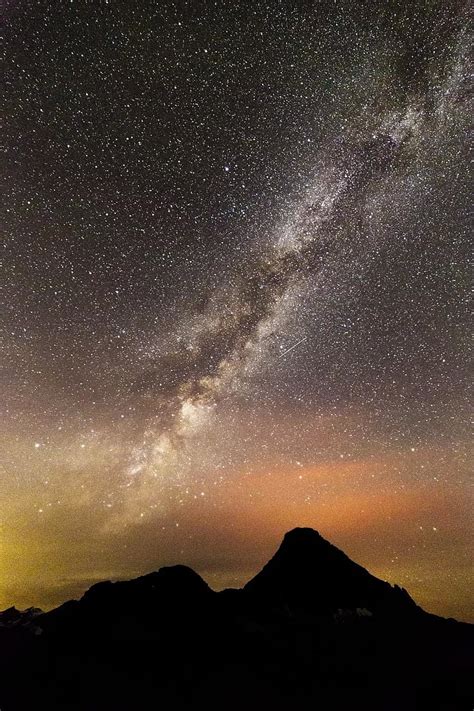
[[235, 290]]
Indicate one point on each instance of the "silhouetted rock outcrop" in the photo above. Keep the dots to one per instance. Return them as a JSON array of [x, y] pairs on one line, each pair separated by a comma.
[[11, 617]]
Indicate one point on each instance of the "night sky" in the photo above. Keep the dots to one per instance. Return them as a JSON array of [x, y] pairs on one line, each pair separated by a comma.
[[234, 291]]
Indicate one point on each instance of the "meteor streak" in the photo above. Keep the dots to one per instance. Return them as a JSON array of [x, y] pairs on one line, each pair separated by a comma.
[[293, 346]]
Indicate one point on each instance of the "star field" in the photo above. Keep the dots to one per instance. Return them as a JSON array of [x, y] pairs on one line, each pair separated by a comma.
[[235, 291]]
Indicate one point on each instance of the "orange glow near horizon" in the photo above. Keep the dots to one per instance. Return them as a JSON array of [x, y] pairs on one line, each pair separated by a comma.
[[397, 532]]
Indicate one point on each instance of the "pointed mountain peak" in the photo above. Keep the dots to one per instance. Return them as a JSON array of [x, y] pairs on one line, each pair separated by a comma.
[[302, 535], [303, 548], [303, 539], [309, 573]]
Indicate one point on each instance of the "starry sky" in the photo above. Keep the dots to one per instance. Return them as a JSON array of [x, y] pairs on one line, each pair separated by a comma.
[[235, 291]]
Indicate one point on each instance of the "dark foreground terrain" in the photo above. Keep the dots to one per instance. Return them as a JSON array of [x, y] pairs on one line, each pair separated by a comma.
[[313, 630]]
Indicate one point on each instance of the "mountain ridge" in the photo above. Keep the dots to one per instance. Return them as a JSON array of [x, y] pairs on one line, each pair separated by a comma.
[[312, 629], [281, 581]]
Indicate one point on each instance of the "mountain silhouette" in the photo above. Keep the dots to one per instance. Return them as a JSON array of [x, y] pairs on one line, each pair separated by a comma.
[[309, 574], [312, 630]]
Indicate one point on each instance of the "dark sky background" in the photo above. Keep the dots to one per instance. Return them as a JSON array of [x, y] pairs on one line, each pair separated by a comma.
[[235, 290]]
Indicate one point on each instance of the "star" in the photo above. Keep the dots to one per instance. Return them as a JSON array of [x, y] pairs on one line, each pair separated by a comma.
[[235, 260]]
